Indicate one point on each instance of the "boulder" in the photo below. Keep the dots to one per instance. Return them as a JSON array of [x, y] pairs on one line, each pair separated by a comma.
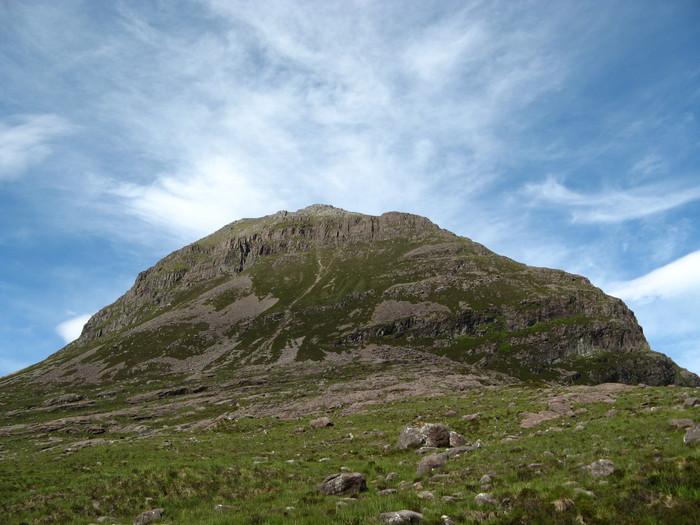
[[321, 422], [424, 434], [343, 484], [457, 440], [601, 468], [400, 517], [692, 435], [149, 516], [433, 461]]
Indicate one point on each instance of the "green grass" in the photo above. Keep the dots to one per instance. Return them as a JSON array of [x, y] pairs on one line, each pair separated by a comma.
[[262, 466]]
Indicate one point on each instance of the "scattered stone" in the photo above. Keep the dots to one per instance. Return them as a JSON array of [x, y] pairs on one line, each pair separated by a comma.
[[438, 477], [453, 498], [563, 504], [63, 400], [692, 435], [387, 492], [424, 434], [446, 520], [425, 450], [450, 413], [548, 453], [321, 422], [459, 450], [601, 468], [426, 494], [149, 516], [400, 517], [405, 484], [323, 460], [612, 413], [691, 402], [471, 417], [391, 476], [343, 484], [681, 423], [485, 480], [484, 499], [105, 519], [457, 440], [223, 507], [431, 462], [579, 490]]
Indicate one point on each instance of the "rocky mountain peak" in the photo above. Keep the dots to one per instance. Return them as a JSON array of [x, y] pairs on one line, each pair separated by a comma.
[[323, 284]]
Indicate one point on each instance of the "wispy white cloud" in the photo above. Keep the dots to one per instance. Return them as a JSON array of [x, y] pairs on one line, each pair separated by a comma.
[[71, 329], [292, 103], [26, 140], [679, 277], [610, 206]]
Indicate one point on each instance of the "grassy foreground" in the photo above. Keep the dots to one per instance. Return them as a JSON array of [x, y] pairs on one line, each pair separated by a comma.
[[267, 469]]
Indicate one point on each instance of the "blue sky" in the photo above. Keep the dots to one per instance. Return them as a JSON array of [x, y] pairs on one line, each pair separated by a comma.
[[561, 134]]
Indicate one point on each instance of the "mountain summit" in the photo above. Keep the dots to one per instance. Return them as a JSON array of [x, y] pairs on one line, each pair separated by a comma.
[[326, 285]]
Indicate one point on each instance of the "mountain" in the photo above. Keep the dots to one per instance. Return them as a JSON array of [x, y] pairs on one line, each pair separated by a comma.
[[327, 285]]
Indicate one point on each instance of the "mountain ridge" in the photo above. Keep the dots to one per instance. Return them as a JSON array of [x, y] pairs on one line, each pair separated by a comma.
[[322, 282]]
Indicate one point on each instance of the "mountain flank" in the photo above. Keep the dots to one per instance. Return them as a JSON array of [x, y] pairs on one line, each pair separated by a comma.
[[324, 285]]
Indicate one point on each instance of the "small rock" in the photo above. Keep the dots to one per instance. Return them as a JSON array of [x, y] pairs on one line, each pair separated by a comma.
[[431, 462], [579, 490], [691, 402], [223, 507], [105, 519], [547, 453], [426, 494], [425, 450], [391, 476], [321, 422], [450, 413], [611, 413], [485, 480], [681, 423], [343, 484], [601, 468], [484, 499], [149, 516], [692, 435], [471, 417], [387, 492], [400, 517], [405, 484], [455, 451], [439, 477], [446, 520]]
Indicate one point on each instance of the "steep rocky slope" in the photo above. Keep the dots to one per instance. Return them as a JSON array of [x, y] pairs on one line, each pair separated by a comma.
[[323, 284]]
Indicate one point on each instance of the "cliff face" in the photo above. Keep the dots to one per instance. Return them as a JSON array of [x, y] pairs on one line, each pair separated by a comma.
[[322, 282]]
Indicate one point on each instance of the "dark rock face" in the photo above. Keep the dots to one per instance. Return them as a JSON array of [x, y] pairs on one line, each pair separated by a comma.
[[343, 484], [319, 282]]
